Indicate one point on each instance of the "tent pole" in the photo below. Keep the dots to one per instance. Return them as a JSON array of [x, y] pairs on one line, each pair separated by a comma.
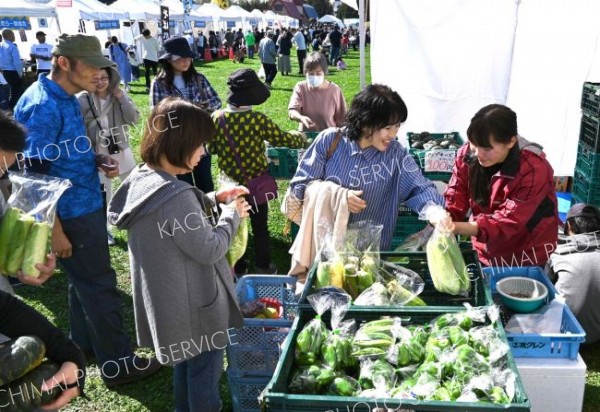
[[362, 31]]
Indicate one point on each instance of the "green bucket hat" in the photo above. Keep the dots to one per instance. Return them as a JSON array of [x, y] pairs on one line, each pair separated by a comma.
[[81, 47]]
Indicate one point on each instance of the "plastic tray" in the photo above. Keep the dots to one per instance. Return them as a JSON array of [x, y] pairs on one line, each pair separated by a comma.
[[277, 398], [417, 261], [590, 98], [590, 131], [558, 345], [245, 391], [255, 348]]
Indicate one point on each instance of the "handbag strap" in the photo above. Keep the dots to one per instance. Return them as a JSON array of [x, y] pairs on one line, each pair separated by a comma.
[[334, 144], [232, 145]]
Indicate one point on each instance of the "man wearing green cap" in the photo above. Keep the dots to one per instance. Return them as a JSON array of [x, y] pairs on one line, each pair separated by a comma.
[[57, 145]]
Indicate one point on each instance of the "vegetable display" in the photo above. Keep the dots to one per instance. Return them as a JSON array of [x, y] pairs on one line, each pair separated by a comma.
[[447, 359]]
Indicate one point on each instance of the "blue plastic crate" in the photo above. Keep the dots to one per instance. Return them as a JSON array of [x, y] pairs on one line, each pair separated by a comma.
[[245, 391], [548, 345], [255, 348]]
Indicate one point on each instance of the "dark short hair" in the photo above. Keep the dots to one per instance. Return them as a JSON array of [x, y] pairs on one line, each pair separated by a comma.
[[12, 138], [146, 32], [315, 61], [492, 121], [587, 222], [175, 129], [375, 107]]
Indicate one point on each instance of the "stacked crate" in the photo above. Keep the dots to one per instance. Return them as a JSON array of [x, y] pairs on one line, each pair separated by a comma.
[[254, 349], [586, 179]]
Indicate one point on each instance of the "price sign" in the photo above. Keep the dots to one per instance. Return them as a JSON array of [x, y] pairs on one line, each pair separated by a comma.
[[439, 160]]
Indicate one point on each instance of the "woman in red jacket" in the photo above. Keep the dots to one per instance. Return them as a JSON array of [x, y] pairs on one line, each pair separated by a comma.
[[507, 184]]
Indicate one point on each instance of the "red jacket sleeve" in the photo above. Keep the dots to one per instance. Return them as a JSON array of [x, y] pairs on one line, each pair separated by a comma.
[[457, 193]]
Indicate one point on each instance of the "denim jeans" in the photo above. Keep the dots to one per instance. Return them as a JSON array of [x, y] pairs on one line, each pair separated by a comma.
[[334, 54], [196, 383], [94, 303]]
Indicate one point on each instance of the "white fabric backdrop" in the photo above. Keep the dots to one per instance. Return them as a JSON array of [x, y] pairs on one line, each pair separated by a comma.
[[449, 58]]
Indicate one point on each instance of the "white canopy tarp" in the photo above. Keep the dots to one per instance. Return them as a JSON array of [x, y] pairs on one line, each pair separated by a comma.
[[95, 10], [139, 9], [175, 9], [328, 18], [26, 8], [237, 13], [456, 56]]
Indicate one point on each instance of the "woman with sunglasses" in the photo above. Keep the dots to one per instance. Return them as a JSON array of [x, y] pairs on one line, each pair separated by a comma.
[[108, 114]]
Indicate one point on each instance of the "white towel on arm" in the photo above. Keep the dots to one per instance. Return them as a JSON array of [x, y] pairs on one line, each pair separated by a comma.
[[324, 203]]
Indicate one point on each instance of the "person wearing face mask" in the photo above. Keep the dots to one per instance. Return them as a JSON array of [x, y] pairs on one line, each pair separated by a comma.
[[178, 78], [317, 103], [365, 157], [239, 145], [507, 183]]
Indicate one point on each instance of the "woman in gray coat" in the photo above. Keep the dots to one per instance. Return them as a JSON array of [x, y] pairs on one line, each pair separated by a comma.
[[108, 114], [183, 293]]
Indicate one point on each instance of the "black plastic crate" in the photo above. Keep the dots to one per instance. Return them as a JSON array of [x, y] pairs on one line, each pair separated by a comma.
[[590, 98], [589, 133]]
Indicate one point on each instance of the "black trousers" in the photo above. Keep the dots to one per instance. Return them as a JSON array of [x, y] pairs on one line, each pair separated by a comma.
[[201, 176], [259, 219], [301, 58], [270, 72], [16, 86], [149, 64]]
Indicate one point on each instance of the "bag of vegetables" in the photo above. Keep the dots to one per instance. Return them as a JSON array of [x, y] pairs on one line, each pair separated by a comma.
[[26, 227], [444, 258]]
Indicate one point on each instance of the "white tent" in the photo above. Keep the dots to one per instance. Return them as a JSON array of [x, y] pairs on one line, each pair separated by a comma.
[[26, 8], [95, 10], [259, 18], [456, 57], [236, 12], [175, 9], [328, 18], [139, 9]]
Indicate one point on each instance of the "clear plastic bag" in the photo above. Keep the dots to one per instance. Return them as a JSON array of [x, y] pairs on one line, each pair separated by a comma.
[[239, 243], [396, 286], [314, 333], [444, 258], [27, 224]]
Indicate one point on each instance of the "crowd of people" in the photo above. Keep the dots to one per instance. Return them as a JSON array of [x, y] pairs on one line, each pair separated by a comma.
[[183, 285]]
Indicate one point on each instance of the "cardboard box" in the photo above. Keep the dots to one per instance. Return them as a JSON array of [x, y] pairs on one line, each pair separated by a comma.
[[562, 183]]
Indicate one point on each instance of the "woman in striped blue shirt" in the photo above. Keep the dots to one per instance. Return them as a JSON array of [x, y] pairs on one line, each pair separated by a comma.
[[370, 162]]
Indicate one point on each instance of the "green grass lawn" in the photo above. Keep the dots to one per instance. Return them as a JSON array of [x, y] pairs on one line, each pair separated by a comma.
[[155, 393]]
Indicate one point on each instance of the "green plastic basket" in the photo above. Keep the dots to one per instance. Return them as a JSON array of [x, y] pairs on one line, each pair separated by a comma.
[[417, 262], [419, 154], [589, 132], [586, 190], [406, 225], [277, 397], [588, 162], [590, 98], [283, 161]]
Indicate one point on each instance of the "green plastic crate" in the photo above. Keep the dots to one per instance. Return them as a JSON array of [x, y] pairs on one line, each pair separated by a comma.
[[417, 262], [283, 161], [419, 154], [278, 399], [590, 98], [589, 133], [406, 225], [586, 190], [588, 161]]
